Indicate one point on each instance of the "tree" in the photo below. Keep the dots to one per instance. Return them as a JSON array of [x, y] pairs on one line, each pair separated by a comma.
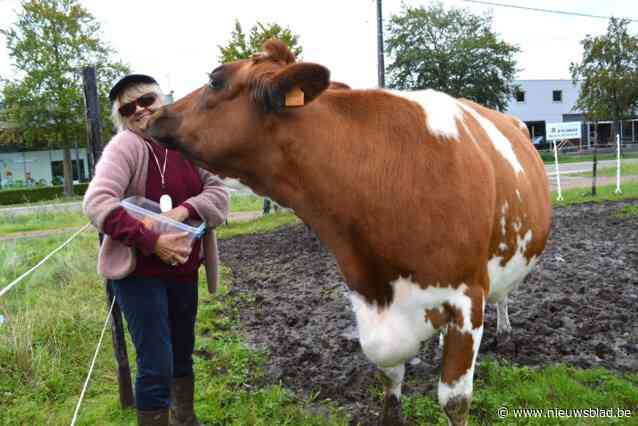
[[239, 48], [453, 51], [50, 43], [609, 74]]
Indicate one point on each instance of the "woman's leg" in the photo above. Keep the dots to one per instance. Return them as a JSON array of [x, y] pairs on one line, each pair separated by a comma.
[[182, 308], [144, 302]]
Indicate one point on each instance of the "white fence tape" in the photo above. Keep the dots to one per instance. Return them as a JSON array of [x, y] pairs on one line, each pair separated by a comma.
[[40, 263], [88, 376]]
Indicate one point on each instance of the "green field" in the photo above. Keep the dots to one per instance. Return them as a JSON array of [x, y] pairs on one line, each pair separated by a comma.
[[548, 157], [55, 316], [59, 220]]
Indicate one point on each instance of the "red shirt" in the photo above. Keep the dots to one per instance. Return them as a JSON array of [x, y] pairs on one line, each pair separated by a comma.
[[181, 181]]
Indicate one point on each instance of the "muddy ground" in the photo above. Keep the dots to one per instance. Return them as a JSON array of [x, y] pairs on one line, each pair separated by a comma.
[[579, 306]]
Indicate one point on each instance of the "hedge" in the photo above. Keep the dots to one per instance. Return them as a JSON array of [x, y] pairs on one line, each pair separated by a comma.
[[32, 195]]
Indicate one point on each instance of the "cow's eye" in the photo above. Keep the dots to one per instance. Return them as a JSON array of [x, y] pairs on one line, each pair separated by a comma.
[[215, 82]]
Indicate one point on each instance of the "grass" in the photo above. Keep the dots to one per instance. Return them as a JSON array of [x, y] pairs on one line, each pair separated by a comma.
[[627, 211], [603, 193], [53, 323], [501, 384], [548, 157], [626, 169], [42, 220]]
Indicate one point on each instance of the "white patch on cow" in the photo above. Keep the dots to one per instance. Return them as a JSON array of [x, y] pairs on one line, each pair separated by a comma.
[[395, 374], [503, 278], [518, 194], [462, 388], [391, 335], [522, 125], [503, 223], [517, 225], [505, 207], [502, 247], [500, 142], [442, 111]]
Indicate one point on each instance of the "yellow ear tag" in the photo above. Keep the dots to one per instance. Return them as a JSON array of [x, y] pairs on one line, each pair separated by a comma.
[[295, 97]]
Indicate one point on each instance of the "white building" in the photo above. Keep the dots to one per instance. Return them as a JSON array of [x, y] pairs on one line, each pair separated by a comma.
[[43, 167], [539, 102]]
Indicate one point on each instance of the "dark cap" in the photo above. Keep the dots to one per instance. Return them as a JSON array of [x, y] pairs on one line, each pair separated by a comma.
[[128, 81]]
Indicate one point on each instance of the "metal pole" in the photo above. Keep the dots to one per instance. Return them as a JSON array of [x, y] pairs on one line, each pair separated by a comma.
[[381, 62], [560, 192], [95, 150]]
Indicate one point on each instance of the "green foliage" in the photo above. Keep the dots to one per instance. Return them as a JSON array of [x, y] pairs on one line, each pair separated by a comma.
[[50, 43], [609, 73], [32, 195], [450, 50], [241, 48]]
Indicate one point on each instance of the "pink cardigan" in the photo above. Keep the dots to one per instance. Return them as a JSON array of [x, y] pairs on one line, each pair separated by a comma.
[[120, 173]]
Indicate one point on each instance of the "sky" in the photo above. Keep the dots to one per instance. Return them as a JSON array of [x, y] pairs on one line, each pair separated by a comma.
[[176, 41]]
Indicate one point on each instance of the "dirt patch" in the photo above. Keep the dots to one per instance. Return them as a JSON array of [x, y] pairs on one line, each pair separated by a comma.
[[577, 307]]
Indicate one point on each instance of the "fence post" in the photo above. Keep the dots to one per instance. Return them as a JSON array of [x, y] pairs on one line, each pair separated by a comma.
[[94, 140]]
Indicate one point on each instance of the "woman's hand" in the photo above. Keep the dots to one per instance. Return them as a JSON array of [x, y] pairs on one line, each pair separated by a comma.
[[173, 248], [179, 214]]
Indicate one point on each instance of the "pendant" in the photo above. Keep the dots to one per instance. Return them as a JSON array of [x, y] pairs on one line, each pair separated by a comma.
[[166, 203]]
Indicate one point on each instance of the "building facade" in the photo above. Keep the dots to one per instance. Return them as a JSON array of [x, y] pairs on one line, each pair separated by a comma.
[[28, 168], [538, 102]]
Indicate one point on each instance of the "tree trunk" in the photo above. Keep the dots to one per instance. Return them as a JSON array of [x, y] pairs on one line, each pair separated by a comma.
[[68, 173]]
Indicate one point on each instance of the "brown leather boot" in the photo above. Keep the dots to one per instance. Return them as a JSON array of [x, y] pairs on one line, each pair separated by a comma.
[[182, 409], [152, 418]]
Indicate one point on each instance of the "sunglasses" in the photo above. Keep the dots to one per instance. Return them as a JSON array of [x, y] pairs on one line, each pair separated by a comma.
[[143, 101]]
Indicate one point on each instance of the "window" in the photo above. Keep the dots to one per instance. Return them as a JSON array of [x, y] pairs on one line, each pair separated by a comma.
[[57, 169], [520, 96], [557, 96]]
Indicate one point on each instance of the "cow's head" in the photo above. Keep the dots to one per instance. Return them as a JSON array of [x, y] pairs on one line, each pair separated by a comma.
[[243, 101]]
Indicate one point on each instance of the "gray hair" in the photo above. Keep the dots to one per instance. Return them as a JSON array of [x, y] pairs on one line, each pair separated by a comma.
[[132, 92]]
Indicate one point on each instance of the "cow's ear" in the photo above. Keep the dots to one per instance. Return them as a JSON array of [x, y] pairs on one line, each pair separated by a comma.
[[298, 84]]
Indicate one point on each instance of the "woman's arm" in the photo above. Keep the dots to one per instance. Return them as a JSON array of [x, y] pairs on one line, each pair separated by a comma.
[[113, 174], [212, 203]]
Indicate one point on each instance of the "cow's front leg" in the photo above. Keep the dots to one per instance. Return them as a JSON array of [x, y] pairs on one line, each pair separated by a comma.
[[461, 345], [392, 381]]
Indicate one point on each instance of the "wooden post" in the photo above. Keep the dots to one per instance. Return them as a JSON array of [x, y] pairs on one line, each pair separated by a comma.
[[95, 150]]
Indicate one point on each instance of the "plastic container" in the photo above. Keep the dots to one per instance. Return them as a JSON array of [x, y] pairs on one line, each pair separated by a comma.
[[141, 208]]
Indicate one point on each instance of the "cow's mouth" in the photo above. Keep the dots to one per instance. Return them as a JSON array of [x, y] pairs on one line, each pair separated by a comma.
[[162, 127]]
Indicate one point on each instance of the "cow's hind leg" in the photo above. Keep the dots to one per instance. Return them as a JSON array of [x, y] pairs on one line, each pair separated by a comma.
[[461, 345], [392, 381], [503, 326]]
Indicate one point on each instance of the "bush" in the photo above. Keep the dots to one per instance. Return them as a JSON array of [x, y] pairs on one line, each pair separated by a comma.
[[32, 195]]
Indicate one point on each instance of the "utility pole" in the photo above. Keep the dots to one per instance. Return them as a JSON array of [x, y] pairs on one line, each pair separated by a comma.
[[381, 63]]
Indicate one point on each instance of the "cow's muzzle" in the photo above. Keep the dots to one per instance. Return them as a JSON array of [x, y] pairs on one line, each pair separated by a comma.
[[163, 127]]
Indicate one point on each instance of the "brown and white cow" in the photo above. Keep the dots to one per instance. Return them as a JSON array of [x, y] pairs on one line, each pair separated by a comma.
[[431, 205]]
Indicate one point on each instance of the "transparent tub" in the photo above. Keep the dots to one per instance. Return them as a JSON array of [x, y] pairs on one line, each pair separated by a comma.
[[142, 208]]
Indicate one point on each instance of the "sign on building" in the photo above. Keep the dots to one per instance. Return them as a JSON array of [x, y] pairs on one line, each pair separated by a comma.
[[561, 131]]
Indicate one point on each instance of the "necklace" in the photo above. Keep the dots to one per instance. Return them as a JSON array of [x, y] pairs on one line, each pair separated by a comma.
[[166, 202]]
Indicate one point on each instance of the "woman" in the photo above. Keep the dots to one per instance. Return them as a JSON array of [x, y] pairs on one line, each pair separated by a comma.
[[154, 277]]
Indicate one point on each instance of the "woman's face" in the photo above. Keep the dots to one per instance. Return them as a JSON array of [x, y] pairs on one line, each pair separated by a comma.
[[142, 105]]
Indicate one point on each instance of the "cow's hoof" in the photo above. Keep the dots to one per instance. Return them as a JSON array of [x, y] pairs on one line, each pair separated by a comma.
[[392, 415]]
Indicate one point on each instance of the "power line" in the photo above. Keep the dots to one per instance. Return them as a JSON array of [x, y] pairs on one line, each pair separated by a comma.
[[559, 12]]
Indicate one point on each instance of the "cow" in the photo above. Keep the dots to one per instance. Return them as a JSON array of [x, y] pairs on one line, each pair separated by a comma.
[[432, 206]]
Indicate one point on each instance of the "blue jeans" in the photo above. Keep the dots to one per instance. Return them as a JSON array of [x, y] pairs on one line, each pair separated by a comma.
[[161, 321]]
